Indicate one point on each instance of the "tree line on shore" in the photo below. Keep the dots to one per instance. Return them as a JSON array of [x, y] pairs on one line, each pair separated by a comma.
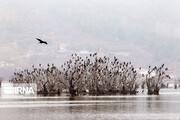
[[92, 75]]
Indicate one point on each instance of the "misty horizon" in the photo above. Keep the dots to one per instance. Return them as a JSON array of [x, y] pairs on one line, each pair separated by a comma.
[[143, 32]]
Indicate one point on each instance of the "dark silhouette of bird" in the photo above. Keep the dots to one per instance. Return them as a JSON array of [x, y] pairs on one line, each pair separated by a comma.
[[94, 54], [41, 41], [143, 91]]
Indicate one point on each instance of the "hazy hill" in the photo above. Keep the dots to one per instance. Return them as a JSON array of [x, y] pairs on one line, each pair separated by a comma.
[[144, 32]]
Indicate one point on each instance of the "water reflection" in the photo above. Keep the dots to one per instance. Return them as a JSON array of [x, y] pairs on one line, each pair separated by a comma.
[[164, 106]]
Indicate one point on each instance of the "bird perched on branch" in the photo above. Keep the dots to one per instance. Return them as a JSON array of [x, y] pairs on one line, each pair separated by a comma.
[[94, 54], [41, 41]]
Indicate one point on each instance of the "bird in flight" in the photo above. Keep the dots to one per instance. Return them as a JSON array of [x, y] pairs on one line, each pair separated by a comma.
[[41, 41]]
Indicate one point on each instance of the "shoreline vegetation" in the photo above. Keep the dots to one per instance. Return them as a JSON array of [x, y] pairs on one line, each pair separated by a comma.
[[92, 75]]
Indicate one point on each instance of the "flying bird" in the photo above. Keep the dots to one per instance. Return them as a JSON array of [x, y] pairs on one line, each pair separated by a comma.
[[41, 41]]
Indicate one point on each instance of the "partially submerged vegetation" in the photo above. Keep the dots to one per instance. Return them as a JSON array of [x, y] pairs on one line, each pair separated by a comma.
[[154, 79], [91, 75]]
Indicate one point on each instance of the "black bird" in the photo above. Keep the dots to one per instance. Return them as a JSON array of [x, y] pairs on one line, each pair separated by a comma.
[[94, 54], [41, 41]]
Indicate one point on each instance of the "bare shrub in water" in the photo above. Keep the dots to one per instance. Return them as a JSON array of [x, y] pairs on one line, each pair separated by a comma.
[[154, 79], [48, 80], [98, 76], [90, 75]]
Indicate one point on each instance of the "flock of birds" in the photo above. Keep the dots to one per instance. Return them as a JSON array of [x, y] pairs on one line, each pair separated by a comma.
[[90, 75], [154, 78], [79, 76]]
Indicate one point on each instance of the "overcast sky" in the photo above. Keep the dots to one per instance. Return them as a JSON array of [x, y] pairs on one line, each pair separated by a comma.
[[146, 32]]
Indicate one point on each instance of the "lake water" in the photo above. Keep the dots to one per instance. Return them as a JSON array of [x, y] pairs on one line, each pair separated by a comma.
[[141, 106]]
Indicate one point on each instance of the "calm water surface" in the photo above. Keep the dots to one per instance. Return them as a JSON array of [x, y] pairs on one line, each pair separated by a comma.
[[141, 106]]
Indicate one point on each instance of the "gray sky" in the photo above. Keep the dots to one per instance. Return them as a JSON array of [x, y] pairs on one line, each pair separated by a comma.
[[146, 32]]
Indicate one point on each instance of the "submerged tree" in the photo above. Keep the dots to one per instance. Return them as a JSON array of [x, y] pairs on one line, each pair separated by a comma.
[[154, 79], [48, 80], [98, 76], [74, 73], [91, 75]]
